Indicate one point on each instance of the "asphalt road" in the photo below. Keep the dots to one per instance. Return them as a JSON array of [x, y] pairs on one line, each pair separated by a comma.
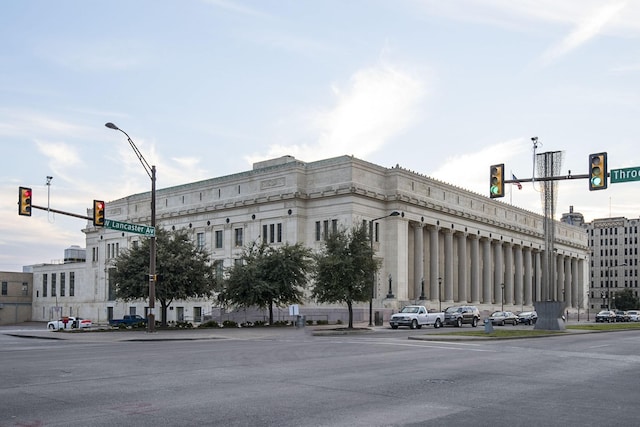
[[292, 378]]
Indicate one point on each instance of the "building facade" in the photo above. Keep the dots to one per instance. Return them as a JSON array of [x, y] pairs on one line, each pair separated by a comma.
[[614, 259], [446, 246], [15, 297]]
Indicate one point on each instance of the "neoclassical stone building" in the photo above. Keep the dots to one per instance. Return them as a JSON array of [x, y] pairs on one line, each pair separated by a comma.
[[446, 246]]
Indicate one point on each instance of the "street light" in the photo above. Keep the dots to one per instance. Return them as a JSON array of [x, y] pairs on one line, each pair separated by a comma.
[[373, 275], [440, 294], [151, 171], [502, 297]]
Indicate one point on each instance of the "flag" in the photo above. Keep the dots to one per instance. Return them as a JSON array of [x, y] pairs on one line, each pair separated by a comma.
[[513, 177]]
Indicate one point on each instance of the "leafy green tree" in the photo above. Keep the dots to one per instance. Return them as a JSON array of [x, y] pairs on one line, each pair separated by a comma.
[[625, 300], [267, 277], [185, 270], [344, 269]]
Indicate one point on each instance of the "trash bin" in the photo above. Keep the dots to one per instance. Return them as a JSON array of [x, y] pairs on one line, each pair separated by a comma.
[[377, 318], [300, 322], [488, 326]]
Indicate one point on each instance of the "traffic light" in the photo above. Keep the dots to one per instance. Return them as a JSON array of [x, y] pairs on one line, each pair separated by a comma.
[[24, 201], [98, 213], [496, 182], [597, 171]]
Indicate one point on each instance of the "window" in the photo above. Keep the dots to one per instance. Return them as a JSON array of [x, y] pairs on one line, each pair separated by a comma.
[[238, 236], [264, 233], [5, 288], [318, 231], [72, 284], [272, 233], [325, 229], [44, 285], [200, 240], [197, 314], [111, 293], [218, 239], [219, 268], [53, 285], [334, 226], [25, 289], [279, 234], [62, 284]]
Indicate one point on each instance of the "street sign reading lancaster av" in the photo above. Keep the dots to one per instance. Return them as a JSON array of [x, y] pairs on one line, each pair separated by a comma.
[[625, 175], [131, 228]]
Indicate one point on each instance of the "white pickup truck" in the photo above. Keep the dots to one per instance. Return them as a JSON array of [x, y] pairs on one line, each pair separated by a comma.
[[415, 316]]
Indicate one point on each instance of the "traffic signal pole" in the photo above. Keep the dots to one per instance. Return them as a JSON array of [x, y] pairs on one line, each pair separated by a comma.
[[62, 212]]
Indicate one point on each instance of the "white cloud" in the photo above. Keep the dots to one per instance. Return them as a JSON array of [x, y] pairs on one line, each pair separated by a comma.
[[589, 26], [235, 7], [377, 104], [463, 171]]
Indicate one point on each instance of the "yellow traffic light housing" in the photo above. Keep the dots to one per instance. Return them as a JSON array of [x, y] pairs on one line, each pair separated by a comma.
[[496, 183], [98, 213], [598, 171], [24, 201]]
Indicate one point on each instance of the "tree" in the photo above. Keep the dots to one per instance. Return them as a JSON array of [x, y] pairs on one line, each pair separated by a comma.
[[344, 269], [184, 268], [267, 277], [625, 300]]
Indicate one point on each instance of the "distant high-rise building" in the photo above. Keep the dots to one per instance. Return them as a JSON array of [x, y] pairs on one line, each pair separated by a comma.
[[613, 243]]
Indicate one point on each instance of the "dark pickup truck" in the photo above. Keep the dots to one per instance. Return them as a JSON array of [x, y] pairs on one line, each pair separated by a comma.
[[129, 320]]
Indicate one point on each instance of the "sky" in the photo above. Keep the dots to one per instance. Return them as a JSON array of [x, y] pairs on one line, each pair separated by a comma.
[[205, 88]]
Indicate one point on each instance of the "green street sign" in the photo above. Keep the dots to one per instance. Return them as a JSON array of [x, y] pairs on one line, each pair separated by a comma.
[[625, 175], [130, 228]]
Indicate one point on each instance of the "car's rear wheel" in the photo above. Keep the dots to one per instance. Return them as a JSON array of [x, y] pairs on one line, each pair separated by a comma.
[[474, 322], [437, 324], [51, 327], [394, 326], [414, 324]]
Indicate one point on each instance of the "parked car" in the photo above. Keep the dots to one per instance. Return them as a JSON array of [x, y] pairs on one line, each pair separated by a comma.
[[528, 317], [129, 320], [69, 323], [606, 316], [462, 315], [416, 316], [503, 317], [622, 316], [634, 315]]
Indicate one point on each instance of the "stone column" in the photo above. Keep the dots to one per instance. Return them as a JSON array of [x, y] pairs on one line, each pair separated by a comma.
[[508, 273], [518, 287], [498, 274], [462, 267], [528, 277], [434, 271], [559, 283], [418, 259], [448, 266], [537, 295], [486, 270], [567, 281], [576, 301], [475, 269]]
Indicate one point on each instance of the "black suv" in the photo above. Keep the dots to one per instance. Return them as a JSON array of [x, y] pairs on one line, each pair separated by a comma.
[[460, 315]]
